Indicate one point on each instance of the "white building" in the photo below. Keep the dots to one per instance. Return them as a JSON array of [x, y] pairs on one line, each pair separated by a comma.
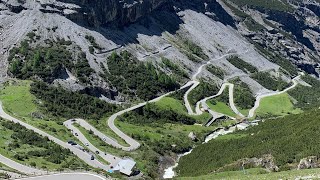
[[125, 166]]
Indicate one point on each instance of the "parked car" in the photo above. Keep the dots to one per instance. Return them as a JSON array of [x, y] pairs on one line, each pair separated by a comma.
[[92, 157], [76, 134], [97, 152], [73, 120], [87, 144]]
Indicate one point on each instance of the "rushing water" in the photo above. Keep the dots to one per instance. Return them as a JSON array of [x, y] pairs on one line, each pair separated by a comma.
[[169, 172]]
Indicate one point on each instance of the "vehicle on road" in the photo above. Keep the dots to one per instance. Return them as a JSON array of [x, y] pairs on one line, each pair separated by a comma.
[[87, 144], [72, 143], [97, 152], [92, 157], [76, 134]]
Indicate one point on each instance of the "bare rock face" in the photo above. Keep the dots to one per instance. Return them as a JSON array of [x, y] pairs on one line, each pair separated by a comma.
[[117, 12], [266, 161], [309, 162], [192, 136]]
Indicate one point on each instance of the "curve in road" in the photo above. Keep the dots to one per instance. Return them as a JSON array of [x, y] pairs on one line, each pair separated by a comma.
[[261, 96], [20, 167], [195, 83], [231, 101], [113, 160], [86, 157]]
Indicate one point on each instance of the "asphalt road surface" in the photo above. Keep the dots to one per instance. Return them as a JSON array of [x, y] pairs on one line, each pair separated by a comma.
[[86, 157], [67, 176]]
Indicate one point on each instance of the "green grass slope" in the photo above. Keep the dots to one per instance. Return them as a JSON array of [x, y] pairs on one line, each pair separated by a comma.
[[19, 102], [278, 105], [259, 174], [177, 106], [221, 107], [287, 139]]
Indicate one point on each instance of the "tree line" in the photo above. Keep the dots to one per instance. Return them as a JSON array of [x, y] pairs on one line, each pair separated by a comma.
[[63, 103], [135, 78], [47, 63], [270, 82]]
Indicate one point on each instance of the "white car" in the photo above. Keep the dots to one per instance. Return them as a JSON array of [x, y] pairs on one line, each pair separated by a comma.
[[87, 144]]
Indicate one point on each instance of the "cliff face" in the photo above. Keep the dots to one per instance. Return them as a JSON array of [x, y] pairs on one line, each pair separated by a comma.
[[119, 12]]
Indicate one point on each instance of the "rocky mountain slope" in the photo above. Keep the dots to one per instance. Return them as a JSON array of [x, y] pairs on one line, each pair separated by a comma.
[[280, 39]]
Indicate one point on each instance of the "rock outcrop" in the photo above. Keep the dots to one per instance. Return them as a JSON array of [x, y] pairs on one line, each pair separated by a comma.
[[115, 12], [309, 162], [266, 161]]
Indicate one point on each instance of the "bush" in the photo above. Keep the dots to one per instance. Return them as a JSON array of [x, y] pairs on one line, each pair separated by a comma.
[[60, 102], [174, 68], [48, 63], [46, 149], [241, 64], [243, 97], [216, 71], [307, 97], [269, 82], [203, 90], [92, 40], [277, 59], [195, 49], [153, 114], [133, 77]]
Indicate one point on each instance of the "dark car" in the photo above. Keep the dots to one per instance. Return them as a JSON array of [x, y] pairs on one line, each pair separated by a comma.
[[92, 157], [72, 143], [97, 152], [76, 134]]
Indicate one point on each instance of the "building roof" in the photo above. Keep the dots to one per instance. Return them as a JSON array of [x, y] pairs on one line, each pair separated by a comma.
[[125, 166]]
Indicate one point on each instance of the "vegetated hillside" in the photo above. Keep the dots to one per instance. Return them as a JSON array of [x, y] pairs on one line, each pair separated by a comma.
[[243, 97], [270, 82], [185, 33], [282, 143], [162, 128], [28, 147], [48, 62], [135, 78], [307, 97], [202, 91], [62, 103]]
